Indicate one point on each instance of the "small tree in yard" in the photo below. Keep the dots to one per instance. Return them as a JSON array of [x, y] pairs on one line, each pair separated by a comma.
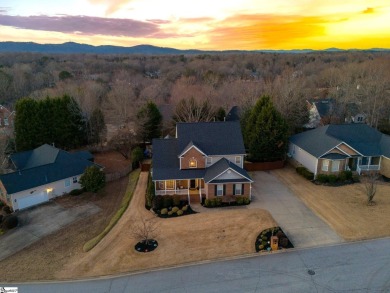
[[93, 179], [370, 181], [144, 230], [136, 156]]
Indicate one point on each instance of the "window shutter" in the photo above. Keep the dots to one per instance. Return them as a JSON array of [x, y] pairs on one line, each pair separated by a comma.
[[242, 191], [215, 189], [234, 189], [224, 189]]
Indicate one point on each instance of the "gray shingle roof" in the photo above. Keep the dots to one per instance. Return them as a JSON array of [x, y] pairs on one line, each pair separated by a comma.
[[361, 137], [214, 138], [41, 166], [221, 166]]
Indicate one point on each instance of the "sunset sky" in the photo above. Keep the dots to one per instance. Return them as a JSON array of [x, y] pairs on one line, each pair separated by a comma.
[[201, 24]]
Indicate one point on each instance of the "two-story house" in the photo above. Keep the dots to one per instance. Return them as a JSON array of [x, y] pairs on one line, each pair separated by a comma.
[[204, 160]]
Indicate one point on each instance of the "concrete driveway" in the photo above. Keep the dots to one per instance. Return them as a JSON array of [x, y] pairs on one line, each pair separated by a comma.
[[301, 225], [40, 221]]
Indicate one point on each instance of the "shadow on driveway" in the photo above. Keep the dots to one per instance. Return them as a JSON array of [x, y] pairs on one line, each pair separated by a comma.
[[40, 221]]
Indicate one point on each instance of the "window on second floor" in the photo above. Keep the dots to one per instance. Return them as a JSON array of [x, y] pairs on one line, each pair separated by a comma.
[[209, 161], [193, 163], [238, 160]]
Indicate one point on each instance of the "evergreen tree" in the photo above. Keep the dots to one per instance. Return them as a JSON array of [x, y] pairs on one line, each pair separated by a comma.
[[149, 122], [93, 179], [51, 120], [266, 132]]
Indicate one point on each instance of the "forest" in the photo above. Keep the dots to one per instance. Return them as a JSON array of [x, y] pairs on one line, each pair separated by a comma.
[[119, 85]]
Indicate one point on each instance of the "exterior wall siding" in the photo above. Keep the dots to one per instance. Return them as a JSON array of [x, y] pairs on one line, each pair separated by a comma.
[[303, 157], [347, 149], [320, 163], [227, 175], [231, 158], [210, 189], [193, 153], [385, 167], [58, 189]]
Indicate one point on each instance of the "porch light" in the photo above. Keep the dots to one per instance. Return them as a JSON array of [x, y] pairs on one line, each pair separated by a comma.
[[49, 190]]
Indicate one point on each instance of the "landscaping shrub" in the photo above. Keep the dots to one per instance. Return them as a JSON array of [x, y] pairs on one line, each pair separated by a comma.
[[185, 208], [218, 201], [332, 179], [175, 209], [1, 203], [179, 212], [176, 200], [150, 193], [239, 200], [157, 202], [164, 211], [1, 218], [7, 209], [345, 176], [76, 191], [305, 173], [246, 200], [207, 202], [170, 213], [167, 201], [9, 222], [283, 242], [93, 179], [322, 178]]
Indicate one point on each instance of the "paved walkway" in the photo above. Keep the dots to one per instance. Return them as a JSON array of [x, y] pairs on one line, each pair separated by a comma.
[[39, 221], [301, 225]]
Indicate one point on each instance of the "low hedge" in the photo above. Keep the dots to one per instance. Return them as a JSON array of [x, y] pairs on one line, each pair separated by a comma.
[[134, 176], [305, 173], [332, 179]]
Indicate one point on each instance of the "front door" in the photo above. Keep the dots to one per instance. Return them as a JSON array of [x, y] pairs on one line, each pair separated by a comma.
[[193, 183], [352, 163]]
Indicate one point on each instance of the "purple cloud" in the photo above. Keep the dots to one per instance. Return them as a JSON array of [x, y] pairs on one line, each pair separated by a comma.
[[84, 25]]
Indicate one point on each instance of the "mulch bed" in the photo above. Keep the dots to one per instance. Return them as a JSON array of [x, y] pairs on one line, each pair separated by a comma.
[[263, 241], [142, 246], [189, 211]]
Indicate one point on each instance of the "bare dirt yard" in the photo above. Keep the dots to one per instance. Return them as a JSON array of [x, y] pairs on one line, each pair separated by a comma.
[[343, 208], [192, 238], [43, 259]]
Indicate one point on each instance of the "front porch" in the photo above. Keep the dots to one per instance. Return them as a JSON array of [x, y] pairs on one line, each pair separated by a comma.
[[193, 188], [364, 164]]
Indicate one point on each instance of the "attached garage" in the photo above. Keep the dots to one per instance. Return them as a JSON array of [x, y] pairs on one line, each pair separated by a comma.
[[32, 200]]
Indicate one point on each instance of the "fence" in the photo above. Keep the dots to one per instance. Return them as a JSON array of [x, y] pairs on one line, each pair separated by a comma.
[[117, 175], [263, 166]]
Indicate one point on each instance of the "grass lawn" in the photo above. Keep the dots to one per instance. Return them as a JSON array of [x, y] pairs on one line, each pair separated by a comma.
[[343, 208], [185, 239]]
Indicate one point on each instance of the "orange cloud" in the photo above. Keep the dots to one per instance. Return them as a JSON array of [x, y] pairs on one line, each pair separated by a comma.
[[112, 5], [369, 10], [267, 31]]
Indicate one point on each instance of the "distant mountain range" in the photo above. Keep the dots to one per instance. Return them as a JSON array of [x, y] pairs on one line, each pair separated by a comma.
[[72, 48]]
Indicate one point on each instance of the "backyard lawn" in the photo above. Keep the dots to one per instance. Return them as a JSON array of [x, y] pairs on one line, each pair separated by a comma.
[[343, 208]]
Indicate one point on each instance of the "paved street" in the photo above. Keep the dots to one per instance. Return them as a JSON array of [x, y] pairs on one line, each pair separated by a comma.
[[357, 267], [301, 225]]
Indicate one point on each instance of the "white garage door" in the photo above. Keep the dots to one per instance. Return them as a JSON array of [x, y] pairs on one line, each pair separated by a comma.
[[32, 200]]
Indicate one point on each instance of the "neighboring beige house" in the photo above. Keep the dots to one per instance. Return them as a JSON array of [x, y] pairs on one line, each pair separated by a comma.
[[204, 160], [334, 148], [42, 174]]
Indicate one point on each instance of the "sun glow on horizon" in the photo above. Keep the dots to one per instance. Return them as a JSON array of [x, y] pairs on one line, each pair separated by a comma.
[[208, 25]]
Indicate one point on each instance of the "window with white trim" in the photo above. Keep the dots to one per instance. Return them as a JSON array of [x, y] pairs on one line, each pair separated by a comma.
[[219, 189], [161, 184], [325, 165], [209, 161], [67, 182], [74, 179], [238, 160], [193, 163], [335, 166], [238, 190]]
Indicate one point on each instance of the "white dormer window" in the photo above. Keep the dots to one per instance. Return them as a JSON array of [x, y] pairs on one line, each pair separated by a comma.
[[238, 160], [209, 161], [193, 163]]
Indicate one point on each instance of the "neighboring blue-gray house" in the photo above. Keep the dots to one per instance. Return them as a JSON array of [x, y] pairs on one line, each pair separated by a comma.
[[205, 159], [334, 148], [42, 174]]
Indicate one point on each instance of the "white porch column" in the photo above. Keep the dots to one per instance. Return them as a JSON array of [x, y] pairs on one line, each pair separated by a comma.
[[188, 192], [200, 190]]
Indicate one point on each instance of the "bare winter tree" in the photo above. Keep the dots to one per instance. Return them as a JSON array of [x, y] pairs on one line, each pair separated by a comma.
[[144, 229], [370, 181], [123, 142], [193, 111]]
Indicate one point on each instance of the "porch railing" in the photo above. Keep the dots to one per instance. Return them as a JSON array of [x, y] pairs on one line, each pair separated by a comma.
[[363, 168], [172, 191]]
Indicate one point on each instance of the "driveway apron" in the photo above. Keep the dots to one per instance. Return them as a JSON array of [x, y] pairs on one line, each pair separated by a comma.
[[300, 224]]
